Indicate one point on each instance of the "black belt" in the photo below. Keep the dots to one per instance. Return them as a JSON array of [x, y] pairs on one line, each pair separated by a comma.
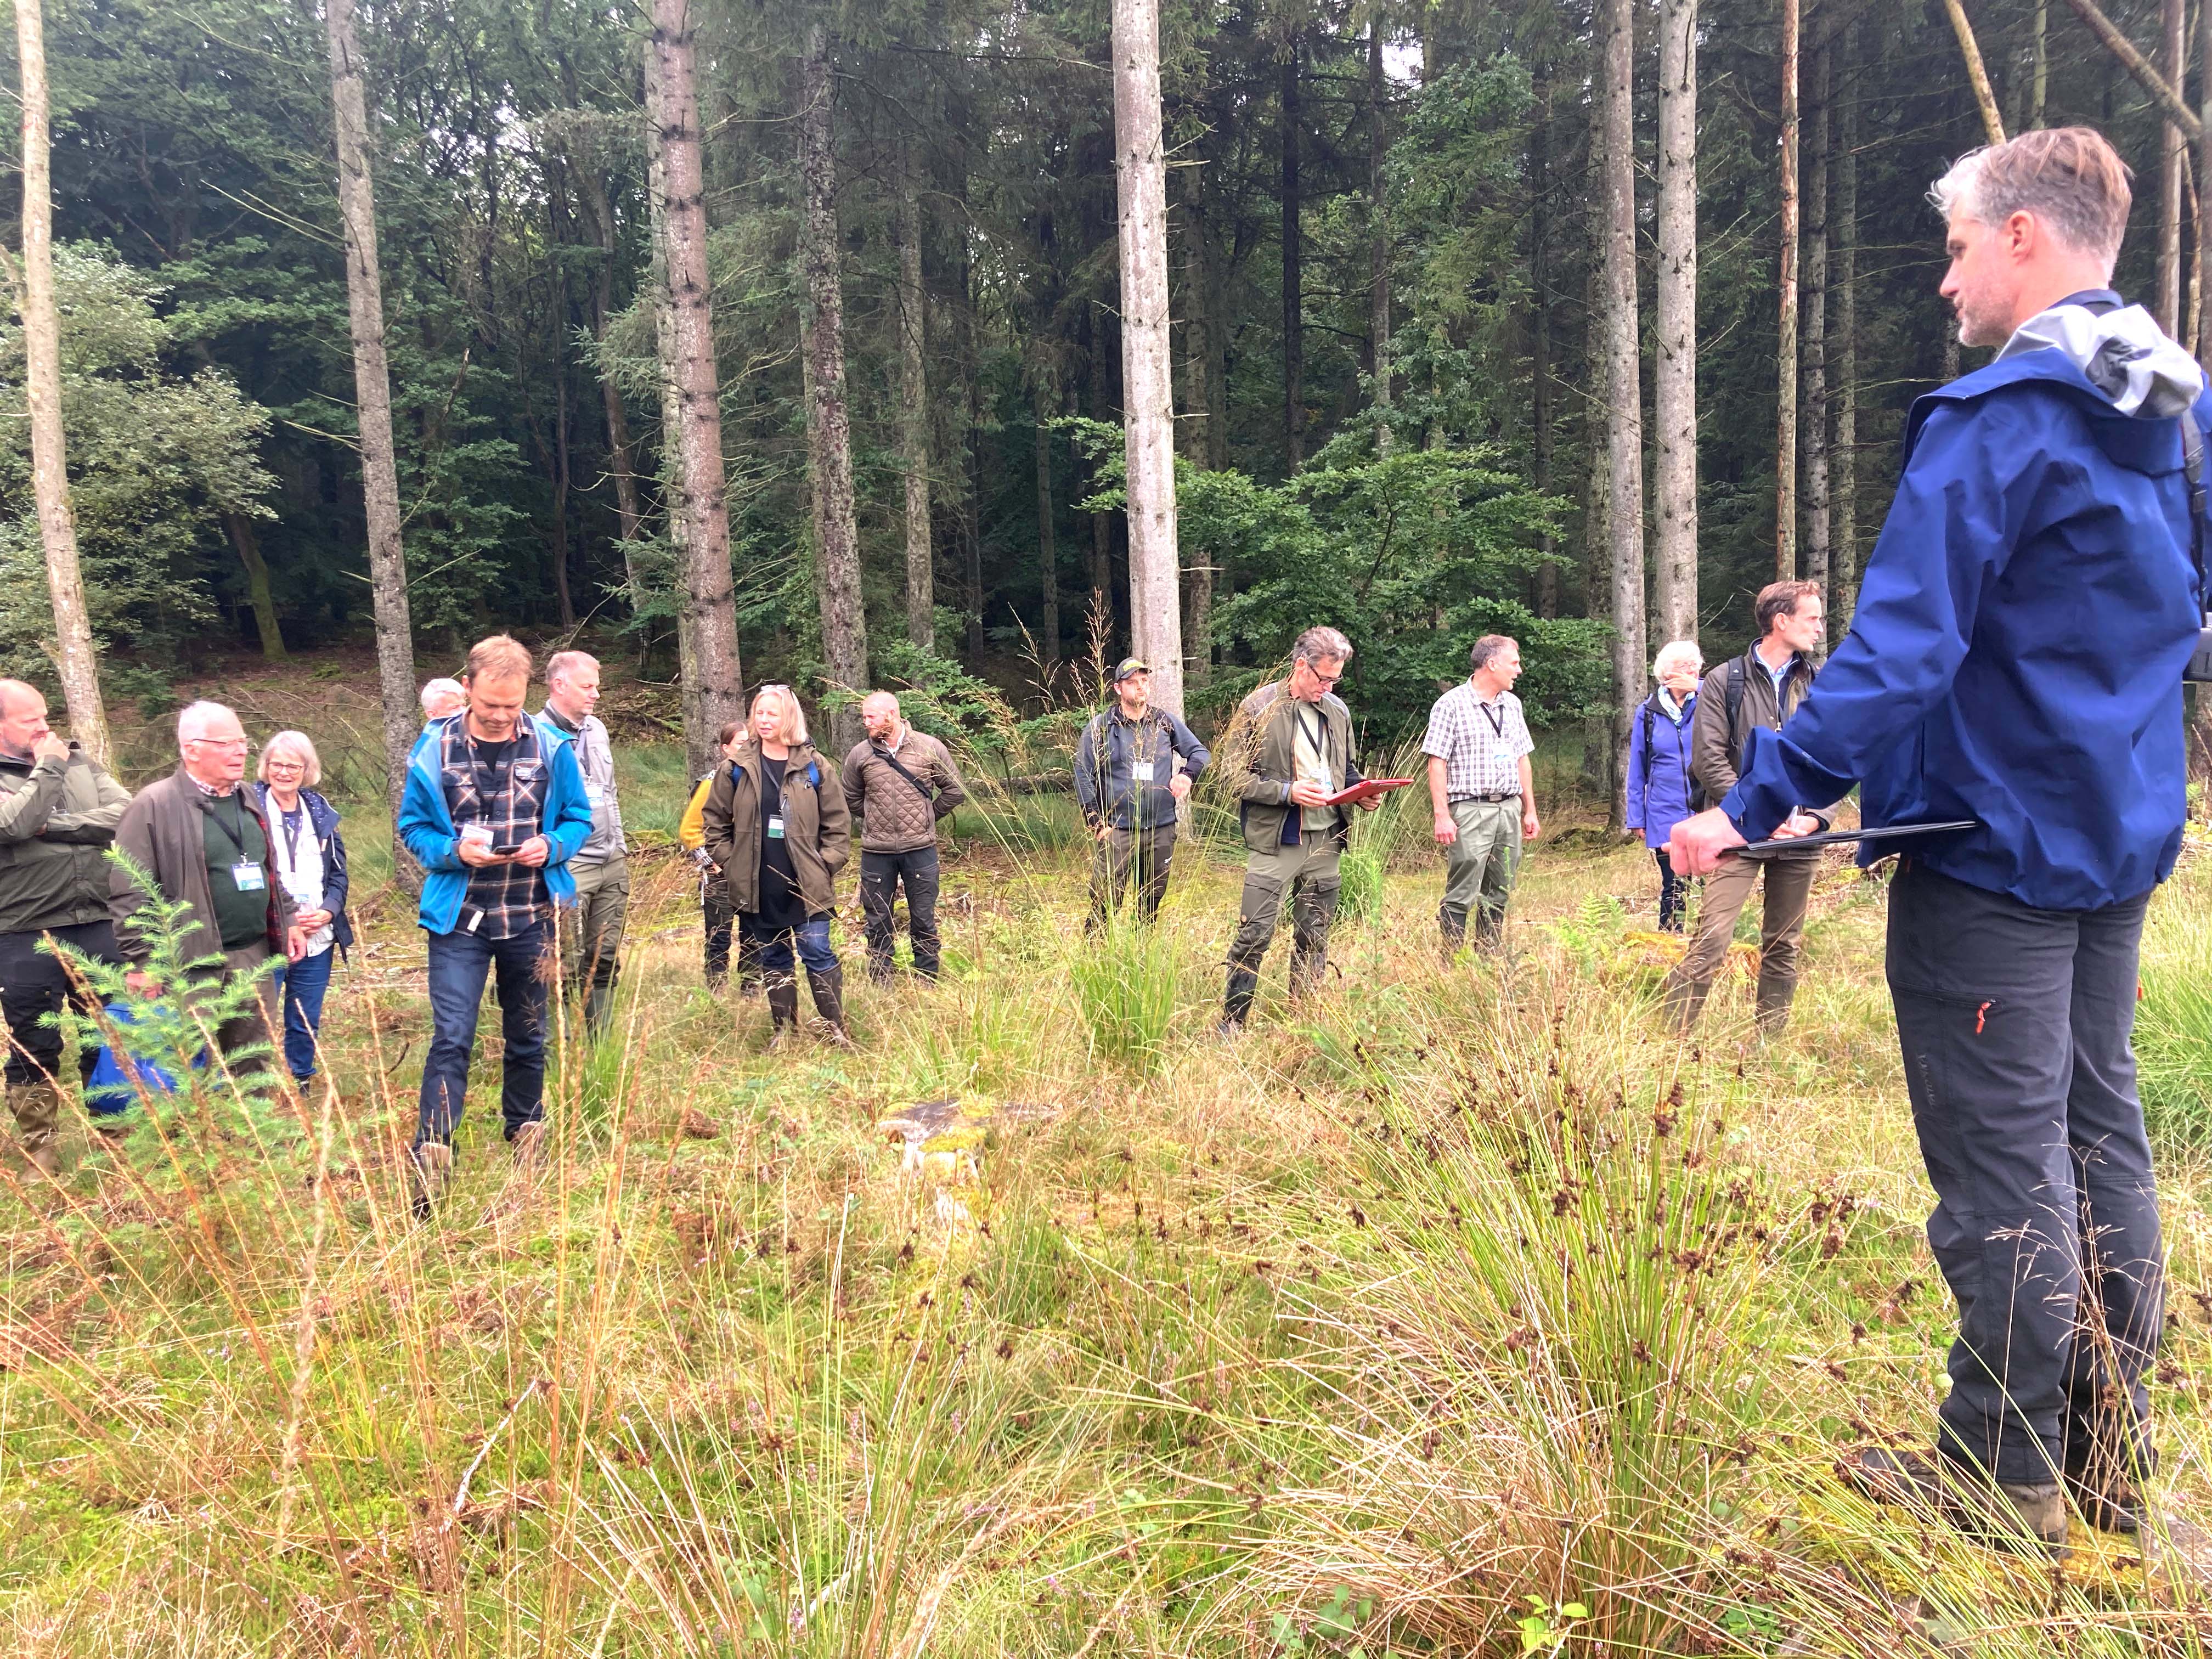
[[1488, 800]]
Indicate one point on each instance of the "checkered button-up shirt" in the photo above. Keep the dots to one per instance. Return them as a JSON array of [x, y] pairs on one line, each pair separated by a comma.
[[511, 799], [1480, 743]]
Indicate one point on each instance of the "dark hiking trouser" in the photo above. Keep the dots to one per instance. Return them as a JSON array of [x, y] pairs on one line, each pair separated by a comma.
[[34, 984], [1673, 893], [718, 919], [2014, 1022], [460, 965], [591, 934], [1126, 856], [1309, 873], [881, 876]]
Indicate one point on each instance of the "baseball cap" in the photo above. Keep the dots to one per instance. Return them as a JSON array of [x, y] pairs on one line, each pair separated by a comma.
[[1129, 665]]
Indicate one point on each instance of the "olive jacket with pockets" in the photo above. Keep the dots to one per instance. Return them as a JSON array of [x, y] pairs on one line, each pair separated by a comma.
[[818, 826], [1264, 751], [57, 818]]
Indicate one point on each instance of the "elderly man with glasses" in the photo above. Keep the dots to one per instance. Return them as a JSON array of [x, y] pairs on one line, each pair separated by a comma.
[[202, 839]]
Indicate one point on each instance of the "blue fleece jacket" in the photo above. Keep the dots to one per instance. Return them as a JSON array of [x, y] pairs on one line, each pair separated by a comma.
[[2016, 653], [426, 825]]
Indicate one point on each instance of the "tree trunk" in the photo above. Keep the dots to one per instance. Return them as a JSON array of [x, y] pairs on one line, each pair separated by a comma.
[[1378, 227], [621, 462], [2204, 191], [1623, 401], [971, 517], [247, 541], [1147, 369], [1816, 327], [563, 594], [1047, 545], [828, 424], [1294, 328], [372, 381], [2173, 163], [1675, 362], [1541, 420], [1214, 301], [714, 692], [1977, 76], [914, 420], [1785, 402], [2038, 63], [699, 747], [1843, 336]]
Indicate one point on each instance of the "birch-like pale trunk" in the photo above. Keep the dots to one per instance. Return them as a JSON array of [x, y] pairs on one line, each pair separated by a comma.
[[715, 691], [1674, 361], [372, 383], [1815, 324], [828, 421], [1624, 404], [1147, 367], [914, 420], [1977, 76], [1785, 401], [2173, 165], [697, 757]]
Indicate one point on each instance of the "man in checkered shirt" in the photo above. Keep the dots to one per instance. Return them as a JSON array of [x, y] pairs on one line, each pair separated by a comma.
[[1478, 745]]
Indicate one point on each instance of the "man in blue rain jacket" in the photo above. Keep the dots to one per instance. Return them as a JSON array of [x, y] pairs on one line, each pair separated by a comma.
[[2016, 659]]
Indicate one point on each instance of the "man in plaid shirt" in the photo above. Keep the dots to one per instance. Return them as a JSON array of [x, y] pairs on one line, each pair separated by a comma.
[[492, 813], [1478, 745]]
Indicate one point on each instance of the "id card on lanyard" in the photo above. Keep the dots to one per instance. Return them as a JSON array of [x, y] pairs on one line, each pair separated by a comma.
[[246, 874]]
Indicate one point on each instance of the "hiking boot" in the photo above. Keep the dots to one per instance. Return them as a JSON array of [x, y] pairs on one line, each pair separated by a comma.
[[2015, 1514], [1451, 923], [37, 1108], [43, 1160], [2103, 1487], [1237, 1002], [432, 1166], [527, 1143], [1773, 1006], [828, 990]]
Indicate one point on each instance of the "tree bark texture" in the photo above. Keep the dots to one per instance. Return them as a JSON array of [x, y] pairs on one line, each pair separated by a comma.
[[1785, 402], [1624, 403], [715, 691], [1674, 361], [1147, 368], [1977, 76], [1048, 542], [699, 746], [828, 421], [372, 380], [2038, 67], [1294, 326], [2163, 93], [2173, 165], [1814, 324], [1843, 339], [914, 420], [1542, 420]]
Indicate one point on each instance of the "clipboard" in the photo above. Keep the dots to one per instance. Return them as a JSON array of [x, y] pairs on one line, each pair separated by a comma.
[[1879, 832], [1365, 789]]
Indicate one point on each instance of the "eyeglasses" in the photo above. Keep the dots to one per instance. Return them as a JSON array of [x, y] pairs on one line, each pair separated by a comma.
[[1326, 679], [284, 766], [239, 744]]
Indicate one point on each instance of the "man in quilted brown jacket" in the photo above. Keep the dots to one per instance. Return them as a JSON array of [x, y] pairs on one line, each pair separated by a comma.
[[898, 783]]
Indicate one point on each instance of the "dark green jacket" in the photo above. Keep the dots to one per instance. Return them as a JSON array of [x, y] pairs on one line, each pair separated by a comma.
[[1261, 747], [818, 827], [56, 818]]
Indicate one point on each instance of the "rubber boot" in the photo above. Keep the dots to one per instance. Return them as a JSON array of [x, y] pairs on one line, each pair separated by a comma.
[[783, 992], [828, 990], [1451, 922], [1684, 1001], [1774, 1000], [37, 1108], [1237, 1006]]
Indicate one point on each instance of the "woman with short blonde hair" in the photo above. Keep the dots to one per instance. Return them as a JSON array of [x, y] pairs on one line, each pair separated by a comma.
[[299, 746], [776, 824], [1659, 785], [310, 858]]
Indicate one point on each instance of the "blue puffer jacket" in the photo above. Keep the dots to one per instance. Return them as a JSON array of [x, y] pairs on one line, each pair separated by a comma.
[[2017, 650], [1659, 775], [426, 825]]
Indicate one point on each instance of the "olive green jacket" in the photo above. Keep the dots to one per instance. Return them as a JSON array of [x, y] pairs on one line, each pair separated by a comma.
[[57, 818], [1261, 754], [818, 826]]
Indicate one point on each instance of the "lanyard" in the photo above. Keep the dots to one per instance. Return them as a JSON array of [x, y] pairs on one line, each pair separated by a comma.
[[1318, 736], [292, 835], [1496, 716], [238, 813]]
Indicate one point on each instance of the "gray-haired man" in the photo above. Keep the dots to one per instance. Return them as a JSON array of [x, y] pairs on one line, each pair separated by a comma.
[[1478, 745], [592, 933], [1292, 749]]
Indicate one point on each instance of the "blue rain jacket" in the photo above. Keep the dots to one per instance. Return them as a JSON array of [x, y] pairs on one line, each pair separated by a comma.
[[1659, 777], [2016, 655], [426, 825]]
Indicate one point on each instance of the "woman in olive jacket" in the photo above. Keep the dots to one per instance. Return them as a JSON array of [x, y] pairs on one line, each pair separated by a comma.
[[776, 823]]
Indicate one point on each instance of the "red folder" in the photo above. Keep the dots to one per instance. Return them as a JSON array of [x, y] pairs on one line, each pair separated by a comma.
[[1367, 789]]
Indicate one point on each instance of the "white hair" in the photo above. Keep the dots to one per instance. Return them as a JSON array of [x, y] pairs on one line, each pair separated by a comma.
[[433, 689], [194, 718], [302, 748], [565, 663], [1676, 651]]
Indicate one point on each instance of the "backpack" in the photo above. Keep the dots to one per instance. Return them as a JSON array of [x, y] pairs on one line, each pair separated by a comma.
[[1732, 703]]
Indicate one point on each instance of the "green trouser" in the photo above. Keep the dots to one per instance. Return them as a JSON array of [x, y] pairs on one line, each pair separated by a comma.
[[1307, 873], [591, 937], [1141, 856], [1479, 869]]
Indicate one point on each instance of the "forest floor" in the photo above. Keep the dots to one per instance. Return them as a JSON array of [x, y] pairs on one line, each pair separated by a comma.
[[1459, 1309]]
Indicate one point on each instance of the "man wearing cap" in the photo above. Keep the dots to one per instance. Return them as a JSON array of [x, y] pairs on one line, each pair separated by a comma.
[[1133, 764], [898, 783]]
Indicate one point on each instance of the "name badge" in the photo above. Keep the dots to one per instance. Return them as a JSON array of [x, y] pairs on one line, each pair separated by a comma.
[[247, 877], [595, 795], [775, 826], [1141, 771]]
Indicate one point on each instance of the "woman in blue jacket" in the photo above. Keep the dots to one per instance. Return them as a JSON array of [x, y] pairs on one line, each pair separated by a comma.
[[1659, 764], [310, 858]]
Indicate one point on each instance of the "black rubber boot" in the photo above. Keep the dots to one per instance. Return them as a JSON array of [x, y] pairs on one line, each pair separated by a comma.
[[1774, 1000], [827, 989], [1237, 1006], [783, 992], [1451, 922]]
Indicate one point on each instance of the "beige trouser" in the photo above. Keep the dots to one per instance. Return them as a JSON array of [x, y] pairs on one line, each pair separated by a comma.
[[1782, 932], [1479, 867], [591, 935]]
